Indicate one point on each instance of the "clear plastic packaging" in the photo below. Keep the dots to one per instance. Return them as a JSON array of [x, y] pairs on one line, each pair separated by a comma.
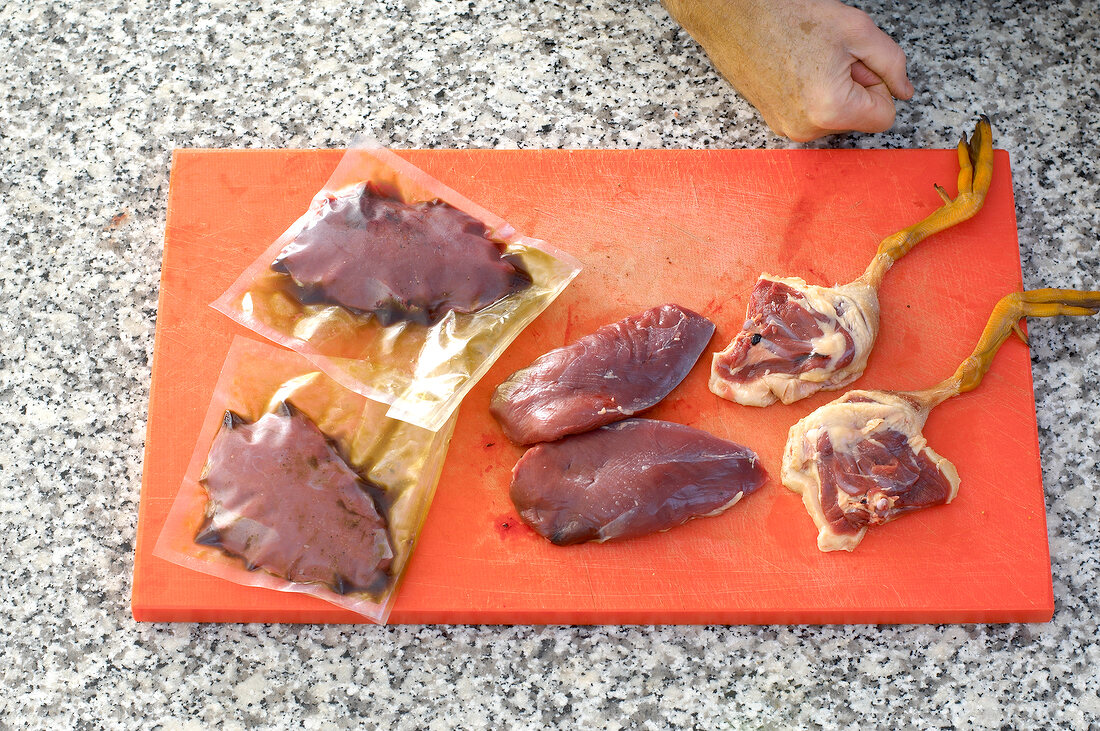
[[413, 323], [298, 484]]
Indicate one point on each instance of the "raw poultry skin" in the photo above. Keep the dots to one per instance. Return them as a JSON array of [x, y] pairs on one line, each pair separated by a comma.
[[370, 253], [800, 338], [797, 339], [618, 371], [861, 460], [629, 479], [282, 499]]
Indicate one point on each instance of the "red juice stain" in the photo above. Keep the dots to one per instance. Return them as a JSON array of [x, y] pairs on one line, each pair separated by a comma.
[[570, 322], [506, 525], [683, 410], [819, 277], [713, 308]]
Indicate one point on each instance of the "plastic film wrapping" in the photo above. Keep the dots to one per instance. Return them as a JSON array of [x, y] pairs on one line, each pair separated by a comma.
[[345, 489], [417, 346]]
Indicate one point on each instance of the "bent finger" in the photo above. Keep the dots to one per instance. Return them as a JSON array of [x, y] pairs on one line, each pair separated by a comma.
[[866, 109], [864, 76], [884, 58]]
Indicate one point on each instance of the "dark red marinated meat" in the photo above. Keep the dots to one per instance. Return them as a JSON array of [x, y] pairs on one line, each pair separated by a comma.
[[881, 479], [283, 499], [776, 337], [397, 261], [619, 370], [629, 479]]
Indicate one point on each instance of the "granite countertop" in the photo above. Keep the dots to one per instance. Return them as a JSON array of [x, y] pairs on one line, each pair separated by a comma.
[[96, 96]]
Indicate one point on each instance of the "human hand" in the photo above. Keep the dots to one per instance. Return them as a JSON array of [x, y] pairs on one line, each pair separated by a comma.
[[810, 67]]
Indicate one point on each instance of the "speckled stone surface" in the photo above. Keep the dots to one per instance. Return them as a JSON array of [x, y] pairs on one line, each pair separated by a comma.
[[96, 95]]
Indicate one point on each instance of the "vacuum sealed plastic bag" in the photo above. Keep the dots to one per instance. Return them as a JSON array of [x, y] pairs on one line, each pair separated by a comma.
[[398, 287], [299, 484]]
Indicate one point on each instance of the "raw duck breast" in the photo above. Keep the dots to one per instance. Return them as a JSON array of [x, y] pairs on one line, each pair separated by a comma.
[[619, 370], [629, 479], [370, 253]]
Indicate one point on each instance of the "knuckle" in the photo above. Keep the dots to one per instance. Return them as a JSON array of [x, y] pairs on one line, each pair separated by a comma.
[[823, 112], [796, 130], [886, 120], [859, 21]]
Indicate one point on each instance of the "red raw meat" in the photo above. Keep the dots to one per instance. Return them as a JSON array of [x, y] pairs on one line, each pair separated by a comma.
[[879, 480], [397, 261], [618, 371], [862, 460], [801, 338], [629, 479], [781, 320], [798, 338], [283, 499]]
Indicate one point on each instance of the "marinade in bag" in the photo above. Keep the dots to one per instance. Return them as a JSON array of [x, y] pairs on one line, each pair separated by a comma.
[[398, 287], [299, 484]]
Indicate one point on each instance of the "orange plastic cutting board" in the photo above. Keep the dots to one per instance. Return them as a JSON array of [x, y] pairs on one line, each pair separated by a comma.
[[693, 227]]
